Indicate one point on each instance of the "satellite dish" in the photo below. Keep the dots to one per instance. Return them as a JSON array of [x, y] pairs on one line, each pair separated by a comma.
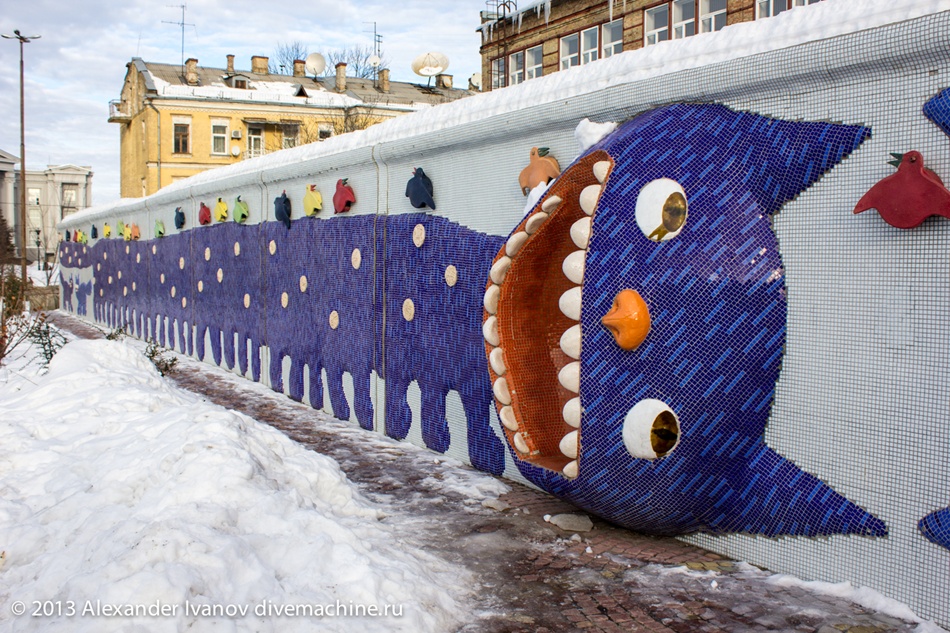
[[430, 64], [315, 64], [374, 61], [476, 80]]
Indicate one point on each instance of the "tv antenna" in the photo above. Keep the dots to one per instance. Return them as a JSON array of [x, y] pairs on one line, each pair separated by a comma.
[[182, 24], [377, 57]]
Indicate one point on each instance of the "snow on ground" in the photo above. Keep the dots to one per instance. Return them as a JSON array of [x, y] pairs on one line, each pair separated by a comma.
[[40, 276], [121, 491]]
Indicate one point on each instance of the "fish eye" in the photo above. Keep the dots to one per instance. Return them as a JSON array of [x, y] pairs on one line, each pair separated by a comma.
[[651, 429], [661, 209]]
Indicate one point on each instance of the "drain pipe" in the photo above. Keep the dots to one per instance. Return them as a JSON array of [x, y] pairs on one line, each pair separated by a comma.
[[159, 116]]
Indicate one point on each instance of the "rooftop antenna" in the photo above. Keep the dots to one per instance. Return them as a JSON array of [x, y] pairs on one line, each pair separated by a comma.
[[376, 58], [182, 24]]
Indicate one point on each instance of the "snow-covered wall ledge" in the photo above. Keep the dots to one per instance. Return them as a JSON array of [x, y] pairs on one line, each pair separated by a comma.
[[797, 351]]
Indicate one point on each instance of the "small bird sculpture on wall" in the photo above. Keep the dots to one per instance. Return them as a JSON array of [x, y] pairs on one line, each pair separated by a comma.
[[312, 201], [344, 197], [910, 196], [542, 168], [419, 190]]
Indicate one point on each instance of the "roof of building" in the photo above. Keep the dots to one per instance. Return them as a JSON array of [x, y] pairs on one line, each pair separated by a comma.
[[168, 80], [8, 158]]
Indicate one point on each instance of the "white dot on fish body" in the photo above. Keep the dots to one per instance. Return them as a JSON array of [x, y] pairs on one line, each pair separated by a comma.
[[451, 275], [419, 235]]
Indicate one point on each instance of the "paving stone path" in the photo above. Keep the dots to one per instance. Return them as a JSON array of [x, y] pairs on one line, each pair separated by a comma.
[[531, 576]]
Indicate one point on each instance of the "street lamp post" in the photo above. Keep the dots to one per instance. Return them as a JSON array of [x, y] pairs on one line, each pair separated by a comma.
[[23, 40]]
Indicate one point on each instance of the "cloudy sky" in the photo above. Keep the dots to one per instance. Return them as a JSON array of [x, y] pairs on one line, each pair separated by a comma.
[[78, 65]]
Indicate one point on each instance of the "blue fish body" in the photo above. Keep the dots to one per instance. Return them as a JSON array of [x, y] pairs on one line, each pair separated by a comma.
[[716, 296]]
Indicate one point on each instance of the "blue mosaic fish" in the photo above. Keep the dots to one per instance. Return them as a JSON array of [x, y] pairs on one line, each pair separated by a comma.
[[402, 295], [667, 438]]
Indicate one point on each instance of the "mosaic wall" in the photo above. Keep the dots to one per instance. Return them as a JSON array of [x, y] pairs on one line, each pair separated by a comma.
[[726, 320]]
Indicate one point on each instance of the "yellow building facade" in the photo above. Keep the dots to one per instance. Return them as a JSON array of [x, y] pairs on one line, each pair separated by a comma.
[[176, 121]]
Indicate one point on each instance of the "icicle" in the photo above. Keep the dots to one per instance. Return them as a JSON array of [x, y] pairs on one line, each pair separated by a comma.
[[547, 11], [624, 6], [520, 16], [610, 10]]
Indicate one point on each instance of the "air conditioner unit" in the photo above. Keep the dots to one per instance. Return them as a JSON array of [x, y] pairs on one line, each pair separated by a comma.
[[236, 134]]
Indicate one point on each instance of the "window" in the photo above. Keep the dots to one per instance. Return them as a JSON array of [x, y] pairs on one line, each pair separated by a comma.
[[589, 46], [182, 133], [498, 73], [240, 83], [32, 196], [515, 68], [255, 141], [533, 66], [325, 131], [611, 37], [219, 137], [684, 18], [657, 27], [290, 133], [770, 8], [570, 51], [70, 193], [712, 15]]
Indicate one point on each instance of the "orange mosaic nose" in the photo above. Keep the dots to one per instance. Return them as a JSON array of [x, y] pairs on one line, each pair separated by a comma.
[[628, 319]]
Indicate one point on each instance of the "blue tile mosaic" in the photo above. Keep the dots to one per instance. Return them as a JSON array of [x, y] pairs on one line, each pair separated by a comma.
[[717, 300], [937, 110], [936, 527]]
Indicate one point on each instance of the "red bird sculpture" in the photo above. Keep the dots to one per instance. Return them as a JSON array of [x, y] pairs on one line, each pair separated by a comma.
[[910, 196], [344, 197]]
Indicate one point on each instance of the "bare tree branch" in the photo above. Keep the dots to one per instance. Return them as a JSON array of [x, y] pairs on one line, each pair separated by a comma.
[[284, 56], [356, 59]]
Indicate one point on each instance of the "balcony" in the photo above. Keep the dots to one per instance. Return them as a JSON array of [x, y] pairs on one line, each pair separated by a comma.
[[116, 115]]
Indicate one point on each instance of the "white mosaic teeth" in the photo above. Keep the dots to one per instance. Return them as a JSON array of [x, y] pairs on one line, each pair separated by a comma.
[[573, 266], [491, 299], [515, 242], [571, 341], [570, 376], [570, 303], [535, 222], [500, 389], [507, 416], [589, 197], [572, 412], [568, 444], [499, 269], [490, 331], [550, 204], [580, 233], [497, 360]]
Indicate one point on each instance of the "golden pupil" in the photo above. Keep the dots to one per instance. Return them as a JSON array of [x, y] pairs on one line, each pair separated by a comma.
[[674, 212]]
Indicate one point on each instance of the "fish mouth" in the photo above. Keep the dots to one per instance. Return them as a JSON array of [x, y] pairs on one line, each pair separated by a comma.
[[531, 319]]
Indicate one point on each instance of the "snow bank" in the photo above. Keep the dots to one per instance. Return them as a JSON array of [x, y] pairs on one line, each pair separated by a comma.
[[120, 488]]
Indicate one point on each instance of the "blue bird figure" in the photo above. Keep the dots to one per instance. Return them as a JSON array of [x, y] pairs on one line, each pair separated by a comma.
[[282, 209], [179, 218], [419, 190]]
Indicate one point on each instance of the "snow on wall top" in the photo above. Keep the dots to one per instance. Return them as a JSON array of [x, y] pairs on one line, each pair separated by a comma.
[[824, 20]]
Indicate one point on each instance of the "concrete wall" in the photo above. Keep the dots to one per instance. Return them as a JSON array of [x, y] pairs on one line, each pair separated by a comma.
[[859, 404]]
